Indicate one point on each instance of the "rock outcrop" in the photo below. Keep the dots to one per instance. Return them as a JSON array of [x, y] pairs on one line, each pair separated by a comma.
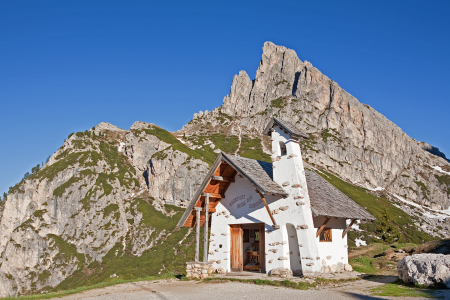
[[347, 137], [92, 197], [425, 269]]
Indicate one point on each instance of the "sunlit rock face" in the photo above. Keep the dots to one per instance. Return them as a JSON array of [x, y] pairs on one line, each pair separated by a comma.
[[347, 137]]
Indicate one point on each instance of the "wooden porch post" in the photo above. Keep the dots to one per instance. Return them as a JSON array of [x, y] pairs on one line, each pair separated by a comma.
[[197, 236], [205, 238]]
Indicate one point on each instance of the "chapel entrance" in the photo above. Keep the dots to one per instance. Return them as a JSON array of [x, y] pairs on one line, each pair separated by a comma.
[[248, 247]]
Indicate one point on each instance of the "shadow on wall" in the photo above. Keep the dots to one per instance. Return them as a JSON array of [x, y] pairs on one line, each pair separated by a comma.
[[294, 250]]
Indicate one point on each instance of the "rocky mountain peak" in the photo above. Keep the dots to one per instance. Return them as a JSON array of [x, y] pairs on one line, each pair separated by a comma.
[[142, 125], [104, 126], [347, 137]]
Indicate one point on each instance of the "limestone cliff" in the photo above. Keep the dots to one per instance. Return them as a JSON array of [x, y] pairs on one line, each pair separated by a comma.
[[106, 203], [90, 200], [347, 137]]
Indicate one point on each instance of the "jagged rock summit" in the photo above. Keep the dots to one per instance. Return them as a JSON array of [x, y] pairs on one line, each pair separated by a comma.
[[347, 137], [108, 200]]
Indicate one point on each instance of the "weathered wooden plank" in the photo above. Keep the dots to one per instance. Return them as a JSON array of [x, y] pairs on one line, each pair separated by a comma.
[[348, 228], [197, 235], [225, 179], [205, 235], [214, 195], [262, 247], [236, 248], [322, 227], [267, 207]]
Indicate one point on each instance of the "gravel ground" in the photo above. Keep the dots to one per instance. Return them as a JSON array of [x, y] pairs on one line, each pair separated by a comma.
[[186, 290]]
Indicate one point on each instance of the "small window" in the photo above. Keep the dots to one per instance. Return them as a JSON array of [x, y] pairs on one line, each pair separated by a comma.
[[325, 235], [283, 149]]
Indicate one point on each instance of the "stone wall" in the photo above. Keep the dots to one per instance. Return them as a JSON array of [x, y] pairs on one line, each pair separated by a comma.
[[199, 270]]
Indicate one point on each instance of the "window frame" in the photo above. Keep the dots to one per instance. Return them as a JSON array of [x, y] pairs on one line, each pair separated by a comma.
[[326, 232]]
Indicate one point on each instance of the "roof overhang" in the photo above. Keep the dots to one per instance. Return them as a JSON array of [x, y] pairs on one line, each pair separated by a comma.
[[293, 133]]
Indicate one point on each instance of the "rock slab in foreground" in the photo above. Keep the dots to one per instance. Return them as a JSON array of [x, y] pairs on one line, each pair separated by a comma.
[[425, 269]]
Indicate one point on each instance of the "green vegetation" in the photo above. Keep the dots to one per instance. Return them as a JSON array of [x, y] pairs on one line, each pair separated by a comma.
[[77, 290], [166, 256], [59, 191], [363, 264], [423, 188], [250, 148], [44, 275], [285, 283], [110, 208], [376, 205], [444, 180], [281, 82], [331, 134], [278, 103], [167, 137], [308, 144], [400, 289], [66, 251], [385, 228]]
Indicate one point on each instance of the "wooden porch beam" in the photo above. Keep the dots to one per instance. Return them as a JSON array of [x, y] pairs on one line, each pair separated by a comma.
[[221, 178], [214, 195], [197, 235], [322, 227], [267, 207], [205, 234], [348, 228]]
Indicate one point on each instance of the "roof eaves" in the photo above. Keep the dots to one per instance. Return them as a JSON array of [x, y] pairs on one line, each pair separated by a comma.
[[242, 173], [199, 191]]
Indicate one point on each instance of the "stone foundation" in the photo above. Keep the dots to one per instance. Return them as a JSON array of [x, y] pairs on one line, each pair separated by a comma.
[[199, 270]]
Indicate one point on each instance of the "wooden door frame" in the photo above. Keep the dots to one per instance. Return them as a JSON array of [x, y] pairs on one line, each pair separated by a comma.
[[236, 237], [262, 246]]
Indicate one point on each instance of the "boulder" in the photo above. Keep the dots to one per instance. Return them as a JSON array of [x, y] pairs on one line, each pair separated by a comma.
[[333, 269], [339, 267], [425, 269], [348, 268], [283, 272]]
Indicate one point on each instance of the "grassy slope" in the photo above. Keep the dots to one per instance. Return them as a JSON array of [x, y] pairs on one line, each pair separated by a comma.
[[167, 256]]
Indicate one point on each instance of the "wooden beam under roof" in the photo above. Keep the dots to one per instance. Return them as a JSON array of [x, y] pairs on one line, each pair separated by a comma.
[[348, 228], [322, 227], [221, 178], [275, 225], [214, 195]]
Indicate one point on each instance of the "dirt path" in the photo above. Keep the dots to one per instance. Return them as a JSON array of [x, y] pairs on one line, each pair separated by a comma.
[[186, 290]]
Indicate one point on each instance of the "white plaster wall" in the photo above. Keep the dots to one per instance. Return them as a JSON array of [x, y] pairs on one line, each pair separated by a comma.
[[337, 250], [277, 252], [289, 173]]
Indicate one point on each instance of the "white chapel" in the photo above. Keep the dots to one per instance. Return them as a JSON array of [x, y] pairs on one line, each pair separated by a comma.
[[271, 216]]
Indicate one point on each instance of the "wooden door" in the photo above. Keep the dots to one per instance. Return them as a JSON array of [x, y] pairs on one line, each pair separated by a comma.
[[262, 247], [236, 248]]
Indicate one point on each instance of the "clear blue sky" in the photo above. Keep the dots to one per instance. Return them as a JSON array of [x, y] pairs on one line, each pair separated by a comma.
[[66, 66]]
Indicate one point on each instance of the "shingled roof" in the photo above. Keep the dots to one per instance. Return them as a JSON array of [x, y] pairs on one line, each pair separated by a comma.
[[293, 131], [326, 200], [260, 173]]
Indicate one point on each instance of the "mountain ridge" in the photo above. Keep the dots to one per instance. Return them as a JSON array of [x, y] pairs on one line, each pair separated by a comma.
[[109, 198]]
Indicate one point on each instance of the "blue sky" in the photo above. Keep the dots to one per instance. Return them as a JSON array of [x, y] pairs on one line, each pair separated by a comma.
[[66, 66]]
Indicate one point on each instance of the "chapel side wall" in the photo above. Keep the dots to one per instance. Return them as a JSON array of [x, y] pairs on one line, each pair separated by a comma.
[[242, 205], [337, 250]]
